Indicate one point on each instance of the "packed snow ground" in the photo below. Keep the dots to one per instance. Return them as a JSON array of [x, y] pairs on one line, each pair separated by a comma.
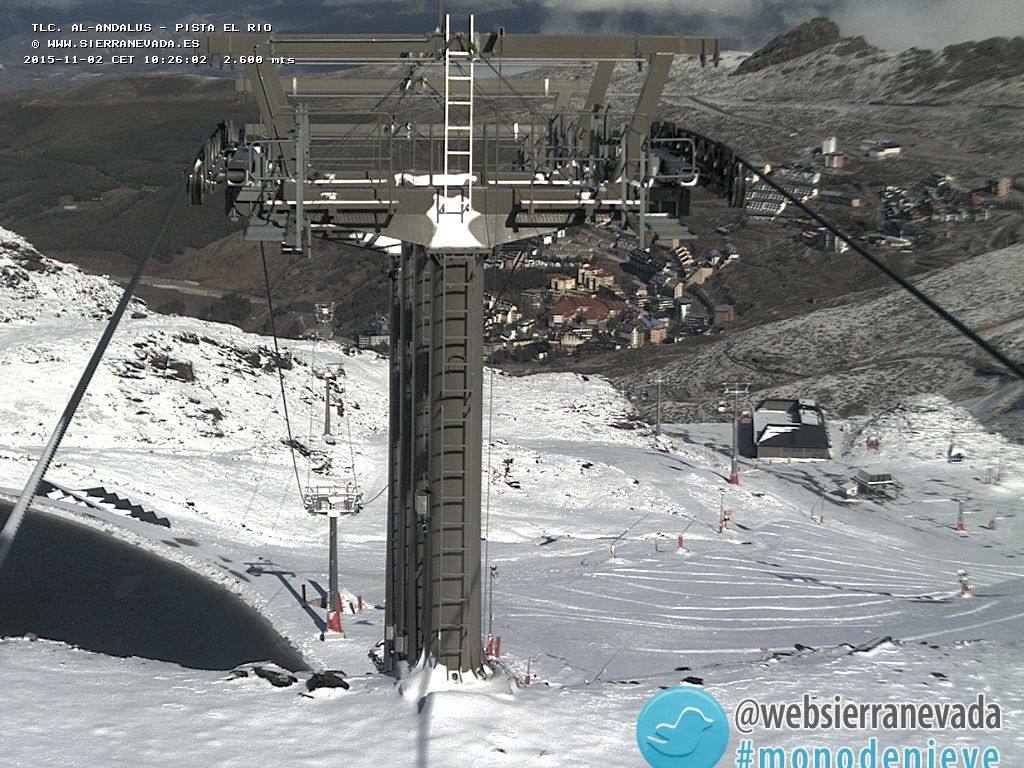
[[185, 417]]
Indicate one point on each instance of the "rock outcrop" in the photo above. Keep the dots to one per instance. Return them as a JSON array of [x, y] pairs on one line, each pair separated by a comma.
[[799, 41]]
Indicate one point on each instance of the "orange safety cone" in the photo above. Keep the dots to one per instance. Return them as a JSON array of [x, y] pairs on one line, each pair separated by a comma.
[[334, 622], [682, 544], [359, 603]]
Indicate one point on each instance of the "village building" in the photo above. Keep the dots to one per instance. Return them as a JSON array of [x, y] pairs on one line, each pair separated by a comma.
[[697, 319], [699, 275], [593, 311], [562, 283], [592, 279], [655, 329], [790, 429], [880, 149], [534, 298], [632, 335], [835, 160], [839, 198]]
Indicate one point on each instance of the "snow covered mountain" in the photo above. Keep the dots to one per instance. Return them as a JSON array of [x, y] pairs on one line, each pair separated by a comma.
[[958, 107], [989, 72], [186, 417]]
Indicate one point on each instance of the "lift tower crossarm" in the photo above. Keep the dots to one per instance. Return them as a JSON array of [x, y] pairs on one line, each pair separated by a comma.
[[647, 104], [595, 96], [271, 97], [313, 87], [408, 48]]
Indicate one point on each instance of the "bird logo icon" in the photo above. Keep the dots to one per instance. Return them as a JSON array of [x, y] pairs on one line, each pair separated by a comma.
[[682, 737], [682, 726]]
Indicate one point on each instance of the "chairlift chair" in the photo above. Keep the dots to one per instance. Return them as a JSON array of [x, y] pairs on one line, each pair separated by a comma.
[[334, 500]]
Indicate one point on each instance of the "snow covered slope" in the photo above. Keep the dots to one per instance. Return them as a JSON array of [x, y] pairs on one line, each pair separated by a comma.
[[871, 348], [185, 417]]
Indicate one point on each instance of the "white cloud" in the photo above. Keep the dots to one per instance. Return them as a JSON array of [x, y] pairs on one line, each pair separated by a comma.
[[893, 24], [930, 23]]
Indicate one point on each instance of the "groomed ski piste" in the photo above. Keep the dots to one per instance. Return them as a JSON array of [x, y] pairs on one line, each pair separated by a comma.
[[185, 418]]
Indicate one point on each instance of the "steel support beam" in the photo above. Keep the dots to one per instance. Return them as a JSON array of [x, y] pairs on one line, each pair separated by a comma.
[[420, 278], [593, 47], [311, 87], [647, 104], [595, 97], [406, 49], [454, 465], [394, 625], [599, 85], [436, 432], [275, 111], [332, 563], [407, 461]]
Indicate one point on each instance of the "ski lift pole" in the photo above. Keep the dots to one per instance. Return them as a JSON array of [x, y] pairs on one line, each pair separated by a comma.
[[332, 575], [332, 502], [493, 576], [327, 406], [735, 391], [657, 422]]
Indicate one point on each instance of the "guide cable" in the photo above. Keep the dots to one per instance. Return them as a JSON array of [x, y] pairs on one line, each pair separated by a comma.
[[280, 373]]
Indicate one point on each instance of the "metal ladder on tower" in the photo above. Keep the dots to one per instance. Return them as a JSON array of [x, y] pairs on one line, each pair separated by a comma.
[[459, 70], [455, 391]]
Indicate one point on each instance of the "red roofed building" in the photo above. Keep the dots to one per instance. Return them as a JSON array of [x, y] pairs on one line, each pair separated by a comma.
[[589, 310]]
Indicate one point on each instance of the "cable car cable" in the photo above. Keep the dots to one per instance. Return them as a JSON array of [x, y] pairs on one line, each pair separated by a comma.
[[280, 374]]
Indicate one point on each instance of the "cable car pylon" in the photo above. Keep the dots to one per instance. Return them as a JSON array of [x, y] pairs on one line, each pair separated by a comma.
[[506, 161]]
